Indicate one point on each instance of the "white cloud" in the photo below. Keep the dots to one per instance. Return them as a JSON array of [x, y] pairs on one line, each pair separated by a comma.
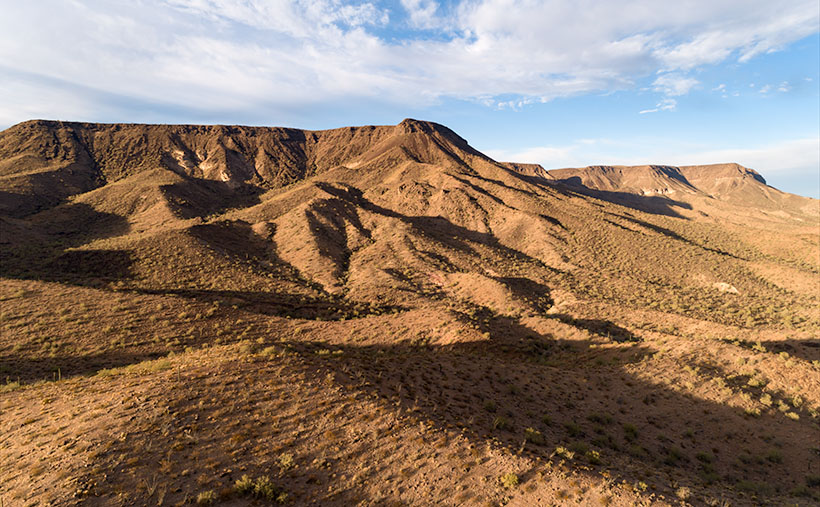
[[765, 89], [674, 84], [266, 55], [784, 87], [422, 13], [663, 105]]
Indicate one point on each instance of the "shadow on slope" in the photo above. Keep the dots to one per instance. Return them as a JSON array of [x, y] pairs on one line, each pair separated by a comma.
[[281, 304], [575, 404], [48, 251], [438, 228], [62, 366], [569, 405], [657, 205], [200, 198]]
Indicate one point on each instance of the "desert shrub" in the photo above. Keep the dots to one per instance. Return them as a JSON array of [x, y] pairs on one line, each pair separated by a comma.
[[206, 497], [705, 457], [630, 431], [286, 461], [600, 419], [265, 488], [10, 386], [262, 487], [573, 429], [509, 480], [243, 485], [534, 436], [674, 456], [593, 456], [753, 487]]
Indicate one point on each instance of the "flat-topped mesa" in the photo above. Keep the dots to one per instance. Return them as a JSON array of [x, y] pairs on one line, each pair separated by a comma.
[[55, 159], [710, 179], [713, 178], [642, 180], [686, 187], [725, 170]]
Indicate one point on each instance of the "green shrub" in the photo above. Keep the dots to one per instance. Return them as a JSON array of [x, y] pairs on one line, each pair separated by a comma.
[[206, 497], [573, 429], [265, 488], [244, 485], [630, 431], [286, 461], [509, 480], [593, 456], [262, 487], [534, 436], [705, 457]]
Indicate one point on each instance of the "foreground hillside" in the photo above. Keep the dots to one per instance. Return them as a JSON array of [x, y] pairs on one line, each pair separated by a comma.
[[383, 315]]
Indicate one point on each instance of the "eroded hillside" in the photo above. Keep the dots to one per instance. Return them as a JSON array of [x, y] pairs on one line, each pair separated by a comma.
[[384, 314]]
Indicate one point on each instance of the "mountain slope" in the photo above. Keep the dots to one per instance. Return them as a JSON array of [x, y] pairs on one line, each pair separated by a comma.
[[383, 314]]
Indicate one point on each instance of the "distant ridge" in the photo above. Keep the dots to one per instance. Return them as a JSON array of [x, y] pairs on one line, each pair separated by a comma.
[[695, 185]]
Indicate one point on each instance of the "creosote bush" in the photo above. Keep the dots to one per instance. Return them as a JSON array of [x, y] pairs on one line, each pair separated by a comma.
[[206, 497], [509, 480], [263, 487], [534, 436]]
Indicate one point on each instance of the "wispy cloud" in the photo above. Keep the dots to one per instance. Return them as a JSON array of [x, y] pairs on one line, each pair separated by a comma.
[[243, 55], [663, 105]]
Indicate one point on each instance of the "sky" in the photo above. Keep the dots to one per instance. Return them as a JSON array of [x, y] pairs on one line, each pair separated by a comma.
[[563, 83]]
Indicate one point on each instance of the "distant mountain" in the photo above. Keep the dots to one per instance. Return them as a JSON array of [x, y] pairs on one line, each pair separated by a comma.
[[693, 190]]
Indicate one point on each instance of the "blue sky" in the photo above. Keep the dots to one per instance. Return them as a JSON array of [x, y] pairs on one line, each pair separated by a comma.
[[559, 82]]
